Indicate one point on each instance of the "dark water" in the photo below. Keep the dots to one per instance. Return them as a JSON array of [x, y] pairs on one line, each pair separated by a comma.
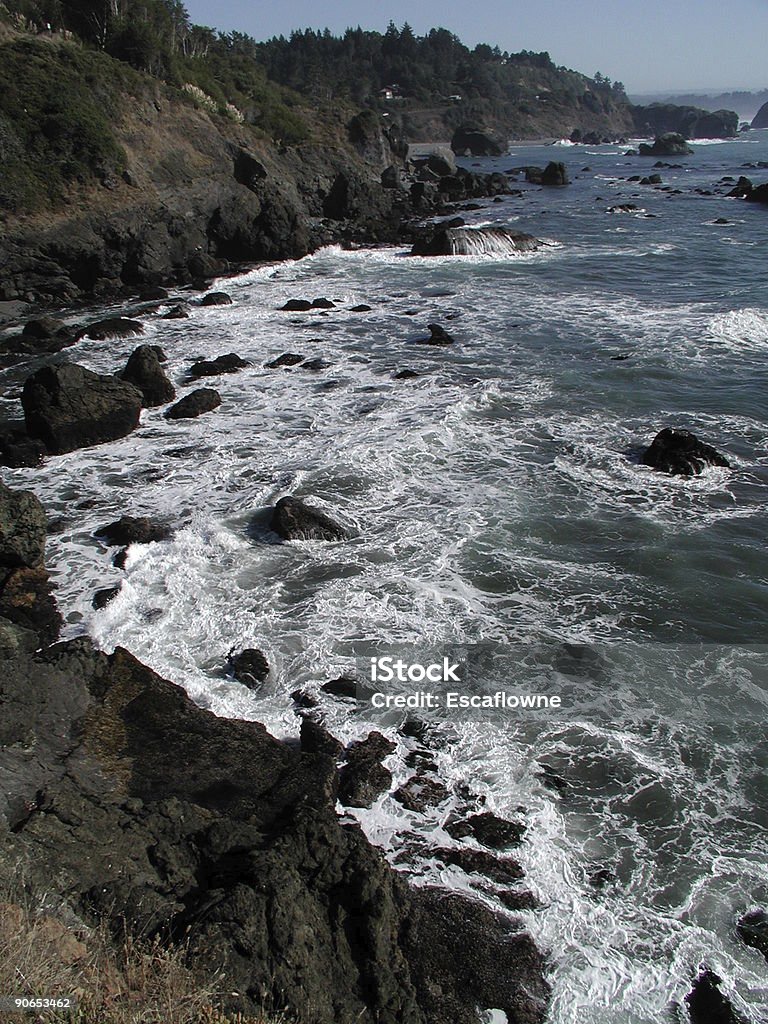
[[498, 500]]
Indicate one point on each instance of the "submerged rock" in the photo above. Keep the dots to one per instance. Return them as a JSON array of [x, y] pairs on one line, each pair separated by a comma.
[[68, 407], [103, 597], [293, 519], [681, 453], [144, 370], [194, 404], [474, 242]]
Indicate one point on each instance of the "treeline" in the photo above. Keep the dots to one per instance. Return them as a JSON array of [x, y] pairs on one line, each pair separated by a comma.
[[362, 66]]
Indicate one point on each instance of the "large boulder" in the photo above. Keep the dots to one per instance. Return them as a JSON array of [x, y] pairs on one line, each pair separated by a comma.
[[144, 370], [555, 173], [681, 453], [758, 194], [194, 404], [760, 120], [26, 597], [364, 778], [293, 519], [68, 407], [669, 144], [470, 138], [468, 241], [112, 327], [23, 527]]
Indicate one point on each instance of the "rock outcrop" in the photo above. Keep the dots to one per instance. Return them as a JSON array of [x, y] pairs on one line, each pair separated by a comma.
[[294, 519], [472, 140], [760, 120], [68, 407], [681, 453], [464, 241], [128, 803], [669, 144]]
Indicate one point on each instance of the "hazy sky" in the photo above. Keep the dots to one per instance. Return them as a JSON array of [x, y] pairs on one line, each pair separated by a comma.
[[650, 45]]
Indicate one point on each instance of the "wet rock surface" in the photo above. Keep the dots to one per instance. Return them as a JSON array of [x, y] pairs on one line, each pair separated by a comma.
[[151, 813], [681, 453], [294, 519]]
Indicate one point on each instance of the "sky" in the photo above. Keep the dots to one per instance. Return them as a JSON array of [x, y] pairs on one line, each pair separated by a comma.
[[649, 45]]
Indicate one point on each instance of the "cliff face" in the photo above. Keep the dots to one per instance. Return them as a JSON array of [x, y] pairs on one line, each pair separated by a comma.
[[179, 194]]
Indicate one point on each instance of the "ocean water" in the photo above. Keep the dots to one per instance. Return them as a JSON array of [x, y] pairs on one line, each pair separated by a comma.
[[496, 503]]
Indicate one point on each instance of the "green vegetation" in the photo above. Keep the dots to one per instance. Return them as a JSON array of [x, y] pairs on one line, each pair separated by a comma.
[[56, 105]]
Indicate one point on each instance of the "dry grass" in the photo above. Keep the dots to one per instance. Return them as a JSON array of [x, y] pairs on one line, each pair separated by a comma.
[[134, 983]]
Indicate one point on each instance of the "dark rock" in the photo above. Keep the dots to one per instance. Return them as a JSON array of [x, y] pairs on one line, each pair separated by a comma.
[[43, 328], [315, 364], [144, 371], [707, 1004], [555, 173], [102, 597], [216, 299], [17, 449], [133, 530], [315, 739], [68, 407], [760, 120], [363, 778], [25, 591], [651, 179], [249, 666], [668, 144], [322, 303], [120, 558], [503, 870], [488, 829], [143, 809], [753, 929], [297, 306], [391, 177], [286, 359], [465, 241], [26, 599], [470, 138], [153, 294], [361, 308], [421, 792], [112, 327], [438, 933], [759, 194], [681, 453], [176, 313], [194, 404], [437, 336], [344, 686], [405, 375], [518, 899], [229, 363], [622, 208], [601, 877], [721, 220], [293, 519]]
